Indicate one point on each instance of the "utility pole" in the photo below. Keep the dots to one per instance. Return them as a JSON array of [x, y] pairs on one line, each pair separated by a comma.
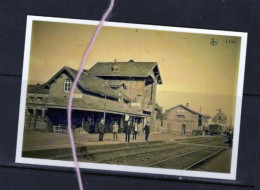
[[104, 116]]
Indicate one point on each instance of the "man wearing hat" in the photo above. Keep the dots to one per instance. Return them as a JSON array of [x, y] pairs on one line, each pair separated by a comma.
[[147, 130], [101, 129]]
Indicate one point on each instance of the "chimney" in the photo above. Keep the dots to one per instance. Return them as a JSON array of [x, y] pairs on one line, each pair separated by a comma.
[[114, 60], [187, 105]]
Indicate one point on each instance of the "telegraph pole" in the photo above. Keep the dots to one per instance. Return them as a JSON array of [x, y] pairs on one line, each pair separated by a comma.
[[104, 116]]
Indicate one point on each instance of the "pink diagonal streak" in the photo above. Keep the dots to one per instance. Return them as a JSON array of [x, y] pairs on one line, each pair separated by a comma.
[[105, 15]]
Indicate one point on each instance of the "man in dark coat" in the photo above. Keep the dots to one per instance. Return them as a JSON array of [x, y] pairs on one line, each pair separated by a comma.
[[101, 129], [147, 131], [127, 132], [230, 139]]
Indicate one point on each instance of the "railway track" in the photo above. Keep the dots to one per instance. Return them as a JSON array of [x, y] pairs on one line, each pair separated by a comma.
[[135, 156], [143, 154], [203, 159], [179, 155], [189, 159]]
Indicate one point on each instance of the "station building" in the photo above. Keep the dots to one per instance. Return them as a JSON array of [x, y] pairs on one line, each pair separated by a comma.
[[122, 92], [138, 81]]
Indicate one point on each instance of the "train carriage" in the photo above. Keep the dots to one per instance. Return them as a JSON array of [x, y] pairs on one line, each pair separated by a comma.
[[215, 129]]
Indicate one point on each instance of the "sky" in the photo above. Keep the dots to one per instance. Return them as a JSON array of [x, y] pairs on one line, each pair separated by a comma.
[[192, 69]]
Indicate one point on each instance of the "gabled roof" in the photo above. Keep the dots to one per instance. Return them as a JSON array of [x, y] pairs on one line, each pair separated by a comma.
[[186, 108], [36, 89], [126, 69], [87, 81]]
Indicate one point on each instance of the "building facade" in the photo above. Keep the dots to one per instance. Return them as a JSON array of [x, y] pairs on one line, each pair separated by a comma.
[[139, 79], [96, 96], [181, 119]]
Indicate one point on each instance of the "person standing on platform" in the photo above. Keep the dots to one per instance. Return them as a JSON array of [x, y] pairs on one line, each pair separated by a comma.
[[230, 139], [135, 129], [115, 131], [127, 132], [147, 131], [101, 129]]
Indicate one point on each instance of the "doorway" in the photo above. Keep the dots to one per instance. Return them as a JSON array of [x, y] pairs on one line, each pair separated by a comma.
[[183, 129]]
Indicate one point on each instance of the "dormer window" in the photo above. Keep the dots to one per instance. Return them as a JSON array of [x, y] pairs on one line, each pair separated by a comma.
[[115, 67], [67, 85]]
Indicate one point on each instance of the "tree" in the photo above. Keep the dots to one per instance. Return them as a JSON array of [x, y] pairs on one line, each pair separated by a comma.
[[220, 118], [230, 126]]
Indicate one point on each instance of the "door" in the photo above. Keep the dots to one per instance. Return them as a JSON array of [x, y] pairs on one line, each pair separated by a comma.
[[183, 129]]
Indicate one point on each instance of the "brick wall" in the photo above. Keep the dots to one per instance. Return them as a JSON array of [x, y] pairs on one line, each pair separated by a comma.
[[176, 118], [143, 96]]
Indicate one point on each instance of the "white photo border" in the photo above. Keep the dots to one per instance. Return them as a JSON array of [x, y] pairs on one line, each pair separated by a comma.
[[134, 169]]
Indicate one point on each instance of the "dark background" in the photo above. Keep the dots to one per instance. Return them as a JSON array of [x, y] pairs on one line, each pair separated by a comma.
[[230, 15]]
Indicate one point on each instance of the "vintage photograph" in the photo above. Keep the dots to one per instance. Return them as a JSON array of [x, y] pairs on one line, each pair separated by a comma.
[[151, 99]]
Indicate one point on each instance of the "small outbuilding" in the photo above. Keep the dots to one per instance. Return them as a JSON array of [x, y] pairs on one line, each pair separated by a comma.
[[181, 119]]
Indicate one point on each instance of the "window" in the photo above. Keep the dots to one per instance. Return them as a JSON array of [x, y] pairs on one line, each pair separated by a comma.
[[67, 85], [180, 116], [115, 67]]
